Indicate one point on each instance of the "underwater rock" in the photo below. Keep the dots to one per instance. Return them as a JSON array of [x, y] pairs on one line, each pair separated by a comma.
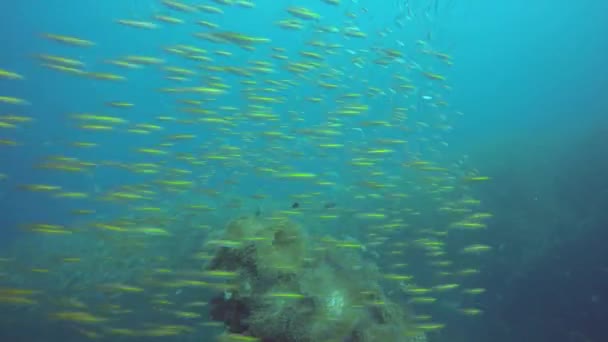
[[290, 287]]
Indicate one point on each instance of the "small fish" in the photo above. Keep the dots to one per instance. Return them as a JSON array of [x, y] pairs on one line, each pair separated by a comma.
[[286, 295], [329, 205], [295, 205]]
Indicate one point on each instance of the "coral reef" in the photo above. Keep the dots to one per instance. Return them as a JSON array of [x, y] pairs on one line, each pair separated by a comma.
[[291, 287]]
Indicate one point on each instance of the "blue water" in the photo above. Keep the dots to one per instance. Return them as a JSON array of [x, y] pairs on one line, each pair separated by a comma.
[[527, 106]]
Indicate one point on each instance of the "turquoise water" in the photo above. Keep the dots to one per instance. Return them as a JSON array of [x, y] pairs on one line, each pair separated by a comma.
[[384, 144]]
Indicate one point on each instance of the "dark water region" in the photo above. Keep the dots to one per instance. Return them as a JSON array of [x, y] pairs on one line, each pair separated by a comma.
[[539, 129], [548, 280]]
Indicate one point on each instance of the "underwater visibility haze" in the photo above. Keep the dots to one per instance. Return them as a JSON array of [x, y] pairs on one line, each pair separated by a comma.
[[320, 170]]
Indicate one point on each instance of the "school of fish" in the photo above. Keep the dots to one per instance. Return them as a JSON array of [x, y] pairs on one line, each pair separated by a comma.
[[354, 117]]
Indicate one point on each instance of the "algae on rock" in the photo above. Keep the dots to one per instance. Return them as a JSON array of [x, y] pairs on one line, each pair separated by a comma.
[[291, 287]]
